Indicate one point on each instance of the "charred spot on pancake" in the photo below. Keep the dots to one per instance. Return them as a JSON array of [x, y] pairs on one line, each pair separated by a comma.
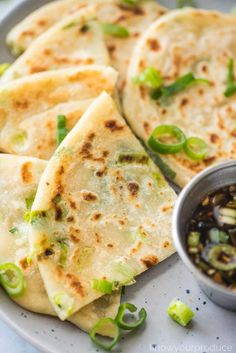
[[133, 158], [146, 127], [166, 244], [166, 208], [110, 245], [28, 33], [75, 284], [86, 150], [137, 248], [98, 238], [113, 126], [42, 22], [58, 213], [85, 28], [136, 10], [99, 173], [153, 44], [150, 261], [91, 136], [214, 138], [74, 234], [48, 252], [133, 188], [26, 174], [88, 196], [209, 160], [111, 49], [184, 102], [21, 104], [36, 69], [143, 92], [24, 263], [70, 219], [96, 216]]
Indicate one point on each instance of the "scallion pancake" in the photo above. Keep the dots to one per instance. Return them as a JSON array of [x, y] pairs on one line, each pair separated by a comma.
[[73, 41], [23, 104], [19, 178], [106, 201], [134, 18], [185, 41]]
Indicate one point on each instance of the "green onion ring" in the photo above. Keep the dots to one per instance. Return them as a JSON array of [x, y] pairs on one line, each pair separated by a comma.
[[156, 145], [132, 308], [12, 280], [195, 148], [99, 325]]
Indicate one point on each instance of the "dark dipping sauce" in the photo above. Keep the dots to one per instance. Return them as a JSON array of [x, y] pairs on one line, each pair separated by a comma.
[[211, 236]]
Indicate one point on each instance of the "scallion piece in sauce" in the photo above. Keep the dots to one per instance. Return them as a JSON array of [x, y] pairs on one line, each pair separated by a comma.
[[180, 312], [115, 30], [12, 280], [131, 308]]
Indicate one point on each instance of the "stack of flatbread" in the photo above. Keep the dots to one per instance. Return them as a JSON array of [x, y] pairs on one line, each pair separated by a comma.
[[95, 208]]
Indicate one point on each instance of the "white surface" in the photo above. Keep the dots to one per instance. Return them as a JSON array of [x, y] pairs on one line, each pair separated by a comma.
[[212, 330]]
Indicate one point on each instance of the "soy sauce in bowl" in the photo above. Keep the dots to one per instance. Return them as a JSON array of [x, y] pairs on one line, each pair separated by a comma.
[[211, 236]]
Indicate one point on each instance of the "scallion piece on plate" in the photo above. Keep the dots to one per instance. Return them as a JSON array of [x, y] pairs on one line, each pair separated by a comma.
[[103, 286], [222, 257], [12, 280], [164, 133], [109, 325], [61, 128], [130, 2], [180, 312], [131, 308], [231, 84], [33, 216], [3, 68], [193, 239], [149, 77], [195, 148], [115, 30]]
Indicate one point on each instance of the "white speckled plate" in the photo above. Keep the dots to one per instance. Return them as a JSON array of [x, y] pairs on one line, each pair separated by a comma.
[[213, 329]]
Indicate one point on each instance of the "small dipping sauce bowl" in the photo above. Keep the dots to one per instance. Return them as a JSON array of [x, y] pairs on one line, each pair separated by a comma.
[[208, 181]]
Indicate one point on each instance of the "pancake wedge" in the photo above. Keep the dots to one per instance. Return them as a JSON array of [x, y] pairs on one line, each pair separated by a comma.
[[134, 18], [33, 95], [188, 41], [19, 178], [104, 199], [75, 40]]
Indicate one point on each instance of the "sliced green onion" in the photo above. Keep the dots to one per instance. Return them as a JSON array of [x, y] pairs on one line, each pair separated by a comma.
[[231, 85], [132, 308], [218, 236], [105, 324], [29, 202], [14, 230], [163, 131], [3, 68], [195, 148], [123, 273], [223, 257], [130, 2], [149, 77], [33, 217], [180, 312], [193, 239], [12, 280], [164, 167], [65, 304], [115, 30], [178, 86], [184, 3], [64, 252], [102, 285], [61, 128]]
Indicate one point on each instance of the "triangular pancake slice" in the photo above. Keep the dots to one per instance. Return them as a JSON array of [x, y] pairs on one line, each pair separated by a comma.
[[19, 178], [32, 95], [107, 202], [75, 40]]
